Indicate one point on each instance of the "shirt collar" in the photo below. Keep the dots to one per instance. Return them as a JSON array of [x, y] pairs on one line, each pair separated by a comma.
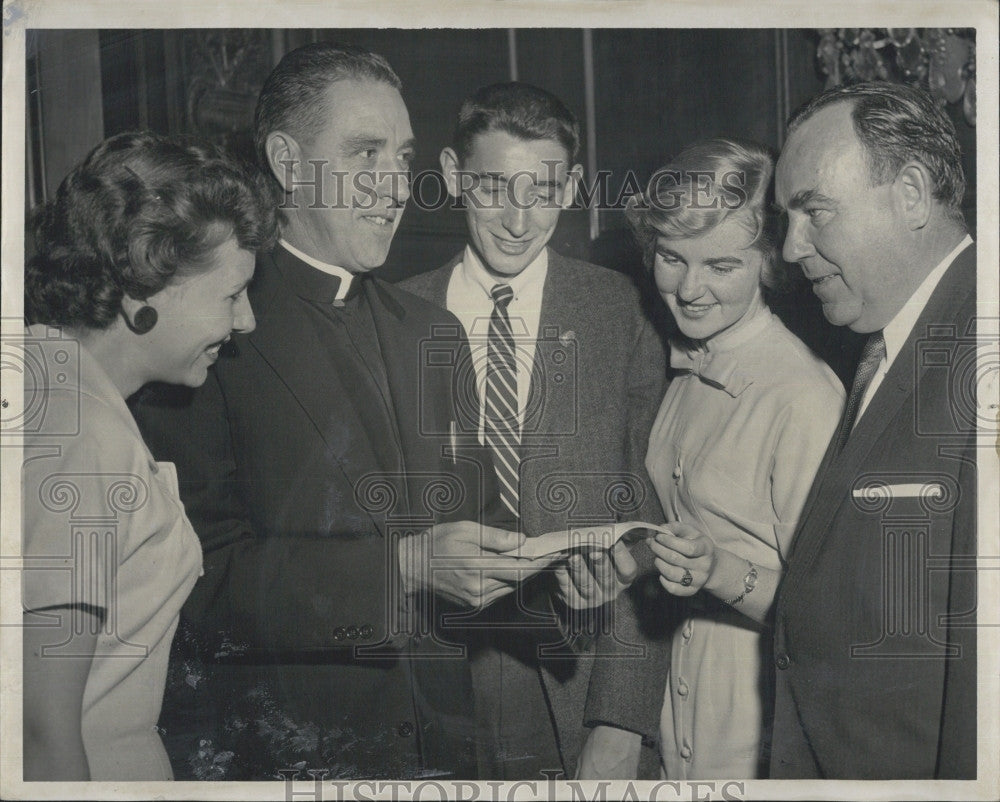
[[715, 362], [899, 328], [758, 318], [532, 277], [345, 276]]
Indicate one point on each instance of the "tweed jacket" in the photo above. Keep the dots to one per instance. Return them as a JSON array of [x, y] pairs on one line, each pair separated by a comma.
[[600, 369]]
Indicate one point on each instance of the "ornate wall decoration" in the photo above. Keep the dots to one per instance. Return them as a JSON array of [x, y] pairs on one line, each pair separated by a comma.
[[941, 60], [223, 71]]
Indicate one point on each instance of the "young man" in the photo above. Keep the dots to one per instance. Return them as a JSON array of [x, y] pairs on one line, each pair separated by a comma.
[[875, 650], [570, 374]]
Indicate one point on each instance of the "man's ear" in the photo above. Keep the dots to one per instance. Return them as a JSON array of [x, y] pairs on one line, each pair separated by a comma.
[[914, 190], [450, 170], [573, 179], [284, 157]]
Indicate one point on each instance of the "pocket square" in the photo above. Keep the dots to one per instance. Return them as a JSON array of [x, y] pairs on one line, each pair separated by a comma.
[[906, 490]]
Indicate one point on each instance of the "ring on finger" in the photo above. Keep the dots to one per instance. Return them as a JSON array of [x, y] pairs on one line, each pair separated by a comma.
[[687, 579]]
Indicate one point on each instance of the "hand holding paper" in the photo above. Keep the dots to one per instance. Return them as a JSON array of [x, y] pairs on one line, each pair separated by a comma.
[[465, 562], [586, 538], [591, 578], [685, 557], [595, 561]]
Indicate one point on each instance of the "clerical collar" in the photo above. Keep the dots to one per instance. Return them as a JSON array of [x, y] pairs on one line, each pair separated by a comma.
[[345, 276]]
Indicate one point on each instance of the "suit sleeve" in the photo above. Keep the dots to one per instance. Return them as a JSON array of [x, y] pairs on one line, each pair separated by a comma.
[[647, 385], [957, 750], [287, 592], [626, 685]]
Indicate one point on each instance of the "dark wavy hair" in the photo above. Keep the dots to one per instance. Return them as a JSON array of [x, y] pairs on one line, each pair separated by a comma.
[[293, 97], [709, 182], [897, 123], [519, 109], [140, 210]]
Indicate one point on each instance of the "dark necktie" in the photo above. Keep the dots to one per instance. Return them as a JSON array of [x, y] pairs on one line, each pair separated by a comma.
[[501, 427], [871, 358]]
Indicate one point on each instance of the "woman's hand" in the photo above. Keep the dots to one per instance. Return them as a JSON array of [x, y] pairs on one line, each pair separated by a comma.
[[685, 559], [688, 561]]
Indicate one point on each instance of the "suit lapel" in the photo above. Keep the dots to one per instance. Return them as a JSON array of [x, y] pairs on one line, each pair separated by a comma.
[[556, 319], [830, 489], [554, 409], [440, 279], [291, 346], [395, 343]]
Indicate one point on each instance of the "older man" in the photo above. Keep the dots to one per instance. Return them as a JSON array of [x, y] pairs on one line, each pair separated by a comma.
[[875, 650], [318, 465]]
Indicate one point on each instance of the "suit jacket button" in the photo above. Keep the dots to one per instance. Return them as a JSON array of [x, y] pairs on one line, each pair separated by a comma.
[[782, 661], [367, 630], [339, 633], [352, 632], [405, 729]]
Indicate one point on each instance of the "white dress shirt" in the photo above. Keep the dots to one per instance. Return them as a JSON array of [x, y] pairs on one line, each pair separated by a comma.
[[899, 328], [469, 299], [345, 276]]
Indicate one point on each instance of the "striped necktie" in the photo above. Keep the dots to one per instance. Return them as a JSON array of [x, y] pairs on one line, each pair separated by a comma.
[[871, 357], [502, 430]]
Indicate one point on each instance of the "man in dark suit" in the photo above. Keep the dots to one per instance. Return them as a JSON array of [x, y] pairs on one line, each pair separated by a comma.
[[322, 464], [875, 647], [567, 416]]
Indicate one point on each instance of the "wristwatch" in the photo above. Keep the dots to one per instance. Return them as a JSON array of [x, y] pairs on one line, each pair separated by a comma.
[[749, 583]]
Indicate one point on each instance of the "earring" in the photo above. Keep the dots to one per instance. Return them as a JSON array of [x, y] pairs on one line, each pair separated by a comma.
[[145, 319]]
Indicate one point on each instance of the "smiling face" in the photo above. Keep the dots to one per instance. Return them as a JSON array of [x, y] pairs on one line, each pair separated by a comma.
[[196, 315], [710, 282], [514, 190], [362, 157], [845, 234]]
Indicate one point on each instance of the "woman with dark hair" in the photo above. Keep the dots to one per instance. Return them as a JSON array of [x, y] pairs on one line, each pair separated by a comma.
[[733, 451], [140, 275]]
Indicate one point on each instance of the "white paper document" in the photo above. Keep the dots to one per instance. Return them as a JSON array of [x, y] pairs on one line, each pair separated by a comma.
[[585, 538]]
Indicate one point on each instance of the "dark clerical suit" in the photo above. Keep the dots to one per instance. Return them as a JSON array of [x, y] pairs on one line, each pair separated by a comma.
[[316, 442], [875, 648]]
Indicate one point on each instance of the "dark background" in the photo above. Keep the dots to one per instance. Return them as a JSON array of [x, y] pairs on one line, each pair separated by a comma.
[[650, 92]]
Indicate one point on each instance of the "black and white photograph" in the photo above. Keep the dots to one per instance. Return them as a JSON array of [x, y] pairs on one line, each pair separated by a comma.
[[500, 401]]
